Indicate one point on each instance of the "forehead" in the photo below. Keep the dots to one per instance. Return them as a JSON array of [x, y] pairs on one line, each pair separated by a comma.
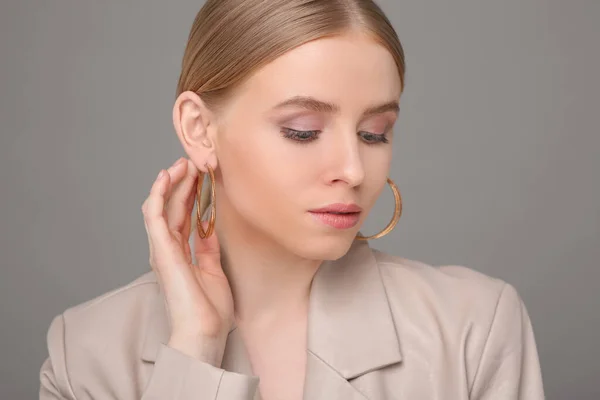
[[352, 71]]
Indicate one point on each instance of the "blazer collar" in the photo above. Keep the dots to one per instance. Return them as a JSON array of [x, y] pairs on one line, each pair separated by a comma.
[[350, 326]]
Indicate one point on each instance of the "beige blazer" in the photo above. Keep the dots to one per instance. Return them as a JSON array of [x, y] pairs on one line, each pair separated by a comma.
[[379, 327]]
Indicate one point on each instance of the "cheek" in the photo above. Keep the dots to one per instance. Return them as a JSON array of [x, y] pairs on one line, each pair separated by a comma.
[[372, 193], [257, 177], [376, 178]]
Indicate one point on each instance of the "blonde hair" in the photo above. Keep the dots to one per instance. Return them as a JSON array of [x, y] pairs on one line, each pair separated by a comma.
[[231, 39]]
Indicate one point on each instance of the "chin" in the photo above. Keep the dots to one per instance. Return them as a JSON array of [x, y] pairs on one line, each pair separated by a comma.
[[327, 247]]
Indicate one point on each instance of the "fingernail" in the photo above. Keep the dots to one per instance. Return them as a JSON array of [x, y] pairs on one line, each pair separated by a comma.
[[180, 161], [161, 174]]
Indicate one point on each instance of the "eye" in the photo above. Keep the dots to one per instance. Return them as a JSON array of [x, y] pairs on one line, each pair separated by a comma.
[[373, 138], [309, 136], [300, 136]]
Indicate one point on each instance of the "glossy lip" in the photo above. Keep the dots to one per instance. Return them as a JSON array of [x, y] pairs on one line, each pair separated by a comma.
[[338, 208], [338, 221], [338, 215]]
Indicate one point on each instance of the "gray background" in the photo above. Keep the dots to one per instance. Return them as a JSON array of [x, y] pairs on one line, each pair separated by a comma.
[[496, 157]]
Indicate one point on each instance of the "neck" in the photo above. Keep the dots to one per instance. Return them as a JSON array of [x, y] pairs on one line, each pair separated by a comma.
[[268, 283]]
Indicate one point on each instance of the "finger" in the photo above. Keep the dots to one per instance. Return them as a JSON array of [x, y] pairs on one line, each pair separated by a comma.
[[189, 217], [167, 255], [181, 202], [177, 172], [207, 251]]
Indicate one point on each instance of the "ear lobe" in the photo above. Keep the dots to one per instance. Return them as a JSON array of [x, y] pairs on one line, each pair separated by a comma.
[[191, 120]]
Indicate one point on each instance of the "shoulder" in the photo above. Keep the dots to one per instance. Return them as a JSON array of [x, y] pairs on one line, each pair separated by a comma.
[[107, 330], [464, 317], [455, 301], [446, 286], [126, 304], [445, 279]]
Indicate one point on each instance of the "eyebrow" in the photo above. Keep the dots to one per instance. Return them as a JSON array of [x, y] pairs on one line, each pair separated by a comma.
[[312, 104]]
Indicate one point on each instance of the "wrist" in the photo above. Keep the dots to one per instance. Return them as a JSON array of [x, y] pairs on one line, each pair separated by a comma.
[[209, 350]]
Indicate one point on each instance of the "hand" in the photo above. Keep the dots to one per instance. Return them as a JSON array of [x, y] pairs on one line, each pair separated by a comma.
[[198, 297]]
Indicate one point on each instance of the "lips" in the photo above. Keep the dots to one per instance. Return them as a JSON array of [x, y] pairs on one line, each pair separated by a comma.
[[339, 215], [338, 208]]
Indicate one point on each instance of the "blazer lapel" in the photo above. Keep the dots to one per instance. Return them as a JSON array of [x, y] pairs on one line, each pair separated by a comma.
[[350, 328]]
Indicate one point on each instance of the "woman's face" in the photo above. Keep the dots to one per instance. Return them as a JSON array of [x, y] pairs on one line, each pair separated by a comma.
[[311, 129]]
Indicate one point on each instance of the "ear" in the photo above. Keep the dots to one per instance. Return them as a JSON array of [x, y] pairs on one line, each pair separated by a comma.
[[195, 125]]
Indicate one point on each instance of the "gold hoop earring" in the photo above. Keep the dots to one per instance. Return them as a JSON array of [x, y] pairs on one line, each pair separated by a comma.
[[395, 218], [213, 203]]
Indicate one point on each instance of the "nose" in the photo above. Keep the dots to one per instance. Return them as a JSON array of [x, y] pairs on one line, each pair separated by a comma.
[[346, 162]]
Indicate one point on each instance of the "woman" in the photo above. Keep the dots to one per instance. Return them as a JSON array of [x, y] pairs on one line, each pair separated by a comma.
[[289, 106]]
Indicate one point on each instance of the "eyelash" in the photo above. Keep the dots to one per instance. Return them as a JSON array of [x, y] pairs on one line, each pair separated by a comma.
[[309, 136]]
